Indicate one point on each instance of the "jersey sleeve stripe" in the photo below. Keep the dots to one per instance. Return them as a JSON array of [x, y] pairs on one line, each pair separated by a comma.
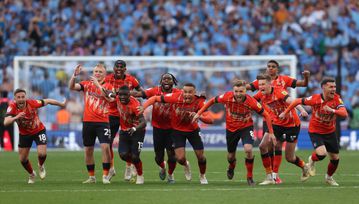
[[294, 83], [252, 87], [303, 101], [144, 94], [285, 97], [261, 111]]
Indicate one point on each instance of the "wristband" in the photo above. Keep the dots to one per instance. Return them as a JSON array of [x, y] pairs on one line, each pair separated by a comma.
[[111, 95]]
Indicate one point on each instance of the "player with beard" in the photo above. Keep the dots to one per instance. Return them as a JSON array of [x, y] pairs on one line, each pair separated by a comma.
[[284, 82], [239, 125], [161, 122], [326, 107], [117, 79], [23, 111], [186, 104], [275, 100], [132, 131]]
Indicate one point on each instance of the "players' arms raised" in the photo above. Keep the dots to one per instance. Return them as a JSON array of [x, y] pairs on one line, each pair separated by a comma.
[[304, 82], [77, 87], [72, 83]]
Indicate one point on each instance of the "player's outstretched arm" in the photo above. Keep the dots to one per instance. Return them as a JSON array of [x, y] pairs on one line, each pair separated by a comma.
[[138, 94], [204, 108], [290, 107], [207, 118], [151, 101], [54, 102], [72, 83], [305, 81], [8, 120], [139, 89], [303, 112]]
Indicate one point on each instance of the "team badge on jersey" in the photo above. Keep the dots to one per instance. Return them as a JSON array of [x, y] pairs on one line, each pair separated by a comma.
[[259, 105], [284, 93], [9, 109], [341, 101]]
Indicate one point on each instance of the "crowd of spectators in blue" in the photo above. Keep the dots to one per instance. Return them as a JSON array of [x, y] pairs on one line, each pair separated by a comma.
[[313, 30]]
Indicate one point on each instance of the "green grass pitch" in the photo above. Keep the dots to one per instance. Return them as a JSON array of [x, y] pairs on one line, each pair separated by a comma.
[[66, 171]]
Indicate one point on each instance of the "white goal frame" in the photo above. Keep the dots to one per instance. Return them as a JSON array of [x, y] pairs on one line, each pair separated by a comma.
[[49, 59]]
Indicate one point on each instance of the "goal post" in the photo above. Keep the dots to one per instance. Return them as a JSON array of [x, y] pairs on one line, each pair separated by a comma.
[[25, 67]]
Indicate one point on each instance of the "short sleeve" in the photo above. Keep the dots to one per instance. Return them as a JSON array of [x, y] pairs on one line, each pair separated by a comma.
[[255, 105], [220, 98], [36, 103], [340, 103], [135, 83], [308, 100], [254, 85], [290, 82], [149, 92], [11, 110], [171, 98], [283, 94], [83, 85]]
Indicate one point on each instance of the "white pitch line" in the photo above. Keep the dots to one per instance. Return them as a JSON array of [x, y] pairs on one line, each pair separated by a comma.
[[178, 189], [207, 172]]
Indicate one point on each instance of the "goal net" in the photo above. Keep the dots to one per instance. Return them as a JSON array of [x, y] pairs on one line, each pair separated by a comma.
[[47, 77]]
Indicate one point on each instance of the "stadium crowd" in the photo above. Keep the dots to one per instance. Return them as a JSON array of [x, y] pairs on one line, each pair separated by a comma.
[[314, 30]]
